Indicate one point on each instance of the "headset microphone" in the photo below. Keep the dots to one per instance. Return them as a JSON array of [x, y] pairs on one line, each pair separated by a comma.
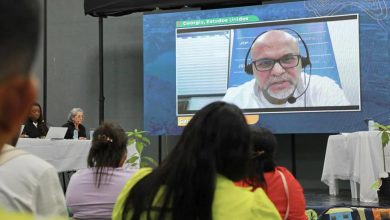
[[291, 99]]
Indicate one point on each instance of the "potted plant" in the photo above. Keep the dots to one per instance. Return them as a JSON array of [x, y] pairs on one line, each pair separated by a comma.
[[141, 141], [384, 186]]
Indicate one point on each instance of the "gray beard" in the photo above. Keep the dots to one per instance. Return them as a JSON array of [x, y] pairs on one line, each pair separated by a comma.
[[279, 98], [281, 95]]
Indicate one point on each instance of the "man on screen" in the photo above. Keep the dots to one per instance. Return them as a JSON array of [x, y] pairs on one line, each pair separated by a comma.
[[278, 78]]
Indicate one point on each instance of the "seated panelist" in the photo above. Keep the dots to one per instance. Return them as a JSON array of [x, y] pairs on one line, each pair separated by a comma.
[[35, 126], [75, 118]]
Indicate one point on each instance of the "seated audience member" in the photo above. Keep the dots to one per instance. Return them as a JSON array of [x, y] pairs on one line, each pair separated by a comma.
[[278, 183], [195, 181], [27, 183], [35, 126], [75, 118], [92, 192]]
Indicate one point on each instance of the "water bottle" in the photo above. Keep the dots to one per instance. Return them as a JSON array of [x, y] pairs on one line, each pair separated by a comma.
[[91, 133], [371, 125], [75, 134]]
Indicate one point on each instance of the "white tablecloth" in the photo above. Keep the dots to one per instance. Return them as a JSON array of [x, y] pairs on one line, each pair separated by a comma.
[[64, 155], [356, 157]]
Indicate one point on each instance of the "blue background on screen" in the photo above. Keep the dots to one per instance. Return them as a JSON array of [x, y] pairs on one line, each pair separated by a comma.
[[374, 25]]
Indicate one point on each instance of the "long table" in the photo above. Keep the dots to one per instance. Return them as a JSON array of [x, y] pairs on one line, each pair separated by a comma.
[[64, 155], [357, 157]]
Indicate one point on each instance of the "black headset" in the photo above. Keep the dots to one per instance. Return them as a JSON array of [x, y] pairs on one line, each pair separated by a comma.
[[304, 60]]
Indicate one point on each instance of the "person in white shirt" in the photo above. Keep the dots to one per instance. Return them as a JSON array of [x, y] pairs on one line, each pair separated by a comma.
[[27, 183], [279, 80], [30, 184]]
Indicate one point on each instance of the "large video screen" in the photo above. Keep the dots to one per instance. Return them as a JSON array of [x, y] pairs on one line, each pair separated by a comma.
[[297, 67]]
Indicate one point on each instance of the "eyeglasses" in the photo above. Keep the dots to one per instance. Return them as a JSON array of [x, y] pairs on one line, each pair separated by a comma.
[[287, 61]]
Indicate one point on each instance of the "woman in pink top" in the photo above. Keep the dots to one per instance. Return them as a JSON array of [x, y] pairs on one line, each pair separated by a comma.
[[92, 192]]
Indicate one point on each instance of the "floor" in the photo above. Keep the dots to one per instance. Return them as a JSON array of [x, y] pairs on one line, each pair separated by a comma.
[[321, 198], [315, 199]]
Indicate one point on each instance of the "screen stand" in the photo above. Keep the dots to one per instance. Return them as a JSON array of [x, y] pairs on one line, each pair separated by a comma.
[[101, 73], [293, 156], [159, 149]]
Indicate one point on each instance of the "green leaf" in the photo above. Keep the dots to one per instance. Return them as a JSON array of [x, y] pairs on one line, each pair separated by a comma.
[[140, 147], [385, 138], [149, 160], [130, 142], [146, 140], [133, 159], [137, 135], [143, 164], [377, 184], [380, 127]]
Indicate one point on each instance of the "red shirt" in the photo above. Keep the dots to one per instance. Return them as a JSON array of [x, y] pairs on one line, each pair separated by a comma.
[[275, 190]]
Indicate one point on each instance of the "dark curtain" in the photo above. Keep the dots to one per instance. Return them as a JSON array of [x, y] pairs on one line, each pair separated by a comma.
[[102, 8]]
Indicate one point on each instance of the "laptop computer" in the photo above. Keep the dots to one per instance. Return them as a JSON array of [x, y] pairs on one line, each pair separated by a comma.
[[56, 133]]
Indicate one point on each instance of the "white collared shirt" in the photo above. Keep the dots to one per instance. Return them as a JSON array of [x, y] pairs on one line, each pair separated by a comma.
[[322, 91]]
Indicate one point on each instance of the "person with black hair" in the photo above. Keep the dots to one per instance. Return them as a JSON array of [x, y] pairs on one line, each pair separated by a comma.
[[92, 192], [278, 183], [28, 184], [35, 126], [195, 181]]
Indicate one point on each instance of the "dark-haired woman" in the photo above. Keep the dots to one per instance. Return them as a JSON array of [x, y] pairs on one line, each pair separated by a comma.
[[92, 192], [195, 181], [35, 126], [279, 184]]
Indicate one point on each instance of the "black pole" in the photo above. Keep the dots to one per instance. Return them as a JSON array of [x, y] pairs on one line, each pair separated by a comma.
[[159, 148], [101, 76], [293, 156], [44, 59]]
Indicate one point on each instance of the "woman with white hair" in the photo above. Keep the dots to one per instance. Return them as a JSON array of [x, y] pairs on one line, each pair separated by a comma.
[[75, 118]]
